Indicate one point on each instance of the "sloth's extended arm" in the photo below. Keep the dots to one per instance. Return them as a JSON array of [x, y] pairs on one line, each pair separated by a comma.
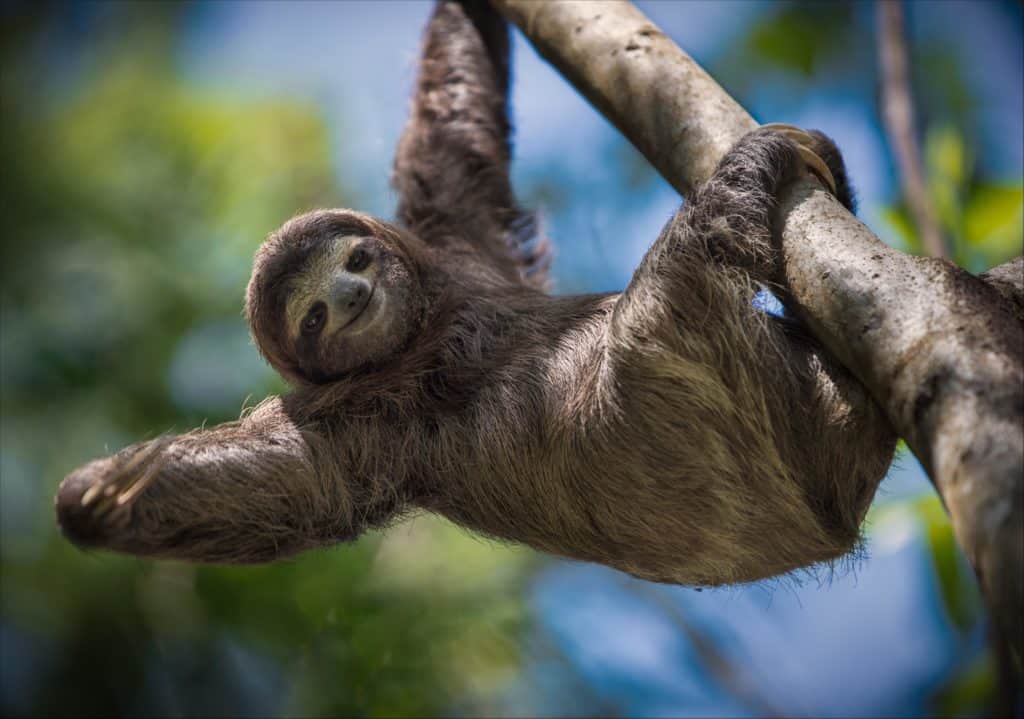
[[246, 491], [451, 168]]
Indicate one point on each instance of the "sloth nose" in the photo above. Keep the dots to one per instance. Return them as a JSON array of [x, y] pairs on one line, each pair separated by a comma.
[[349, 293]]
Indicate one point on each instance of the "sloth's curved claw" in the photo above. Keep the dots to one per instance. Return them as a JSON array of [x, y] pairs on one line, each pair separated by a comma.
[[818, 167], [804, 143], [115, 491]]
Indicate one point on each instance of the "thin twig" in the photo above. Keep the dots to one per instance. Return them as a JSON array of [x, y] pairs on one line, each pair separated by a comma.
[[898, 114]]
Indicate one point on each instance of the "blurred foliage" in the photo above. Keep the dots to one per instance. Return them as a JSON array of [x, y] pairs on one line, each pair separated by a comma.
[[970, 689], [134, 202], [799, 37], [133, 205], [970, 692], [956, 586], [983, 220], [957, 589], [795, 42]]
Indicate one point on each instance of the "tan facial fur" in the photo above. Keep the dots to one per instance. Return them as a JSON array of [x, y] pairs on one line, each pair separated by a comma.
[[314, 285]]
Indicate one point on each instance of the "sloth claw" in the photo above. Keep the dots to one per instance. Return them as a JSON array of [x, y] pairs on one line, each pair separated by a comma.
[[115, 491], [804, 143]]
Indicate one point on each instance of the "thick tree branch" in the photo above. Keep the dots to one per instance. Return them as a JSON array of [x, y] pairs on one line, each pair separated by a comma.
[[939, 349], [674, 112], [1008, 279], [898, 114]]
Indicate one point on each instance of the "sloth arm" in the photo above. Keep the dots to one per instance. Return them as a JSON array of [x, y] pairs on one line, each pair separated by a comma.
[[676, 431], [700, 276], [451, 169], [681, 356], [253, 490], [743, 375]]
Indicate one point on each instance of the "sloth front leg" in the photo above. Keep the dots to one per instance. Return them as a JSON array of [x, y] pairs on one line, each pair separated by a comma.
[[734, 211], [728, 413], [247, 491], [713, 255]]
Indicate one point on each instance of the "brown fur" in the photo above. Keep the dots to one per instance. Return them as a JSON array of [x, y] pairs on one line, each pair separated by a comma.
[[673, 431]]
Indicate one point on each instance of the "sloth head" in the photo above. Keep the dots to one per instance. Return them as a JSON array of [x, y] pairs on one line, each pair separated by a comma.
[[333, 291]]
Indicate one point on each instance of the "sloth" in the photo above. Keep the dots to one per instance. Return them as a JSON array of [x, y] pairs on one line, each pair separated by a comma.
[[674, 431]]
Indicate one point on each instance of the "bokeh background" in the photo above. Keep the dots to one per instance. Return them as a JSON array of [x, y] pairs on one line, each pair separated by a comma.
[[145, 151]]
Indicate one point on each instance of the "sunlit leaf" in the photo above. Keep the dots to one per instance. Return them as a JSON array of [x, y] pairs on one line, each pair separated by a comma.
[[946, 155], [970, 692], [956, 586], [899, 220], [994, 221], [799, 36], [947, 167]]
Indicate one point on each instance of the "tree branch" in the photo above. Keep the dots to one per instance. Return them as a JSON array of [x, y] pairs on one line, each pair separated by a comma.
[[939, 349], [898, 114], [1008, 279]]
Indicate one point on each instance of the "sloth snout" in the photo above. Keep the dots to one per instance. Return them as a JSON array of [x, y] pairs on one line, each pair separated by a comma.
[[349, 297], [349, 291]]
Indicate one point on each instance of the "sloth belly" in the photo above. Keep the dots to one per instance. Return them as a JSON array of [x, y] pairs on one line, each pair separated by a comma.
[[657, 463], [669, 501]]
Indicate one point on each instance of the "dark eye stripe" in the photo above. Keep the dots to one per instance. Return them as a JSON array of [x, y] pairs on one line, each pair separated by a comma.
[[314, 320], [358, 260]]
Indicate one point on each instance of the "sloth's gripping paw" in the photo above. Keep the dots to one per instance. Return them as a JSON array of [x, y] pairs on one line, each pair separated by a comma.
[[806, 145], [96, 499]]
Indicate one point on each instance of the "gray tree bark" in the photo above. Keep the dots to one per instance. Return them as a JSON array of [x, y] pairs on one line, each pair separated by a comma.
[[942, 351]]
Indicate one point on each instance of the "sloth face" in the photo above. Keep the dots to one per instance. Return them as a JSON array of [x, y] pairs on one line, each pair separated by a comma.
[[347, 306], [331, 292]]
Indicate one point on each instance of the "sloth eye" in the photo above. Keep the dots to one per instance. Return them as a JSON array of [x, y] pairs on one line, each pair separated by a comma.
[[358, 260], [315, 319]]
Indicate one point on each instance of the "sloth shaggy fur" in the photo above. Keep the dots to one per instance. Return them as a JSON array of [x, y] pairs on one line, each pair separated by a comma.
[[673, 431]]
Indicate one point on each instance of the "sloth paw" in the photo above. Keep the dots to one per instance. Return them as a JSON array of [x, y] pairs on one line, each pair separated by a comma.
[[806, 145], [96, 499]]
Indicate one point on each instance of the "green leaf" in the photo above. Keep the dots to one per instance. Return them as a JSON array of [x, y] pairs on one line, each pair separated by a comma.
[[969, 693], [946, 155], [947, 166], [789, 42], [798, 37], [899, 220], [956, 585], [994, 221]]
